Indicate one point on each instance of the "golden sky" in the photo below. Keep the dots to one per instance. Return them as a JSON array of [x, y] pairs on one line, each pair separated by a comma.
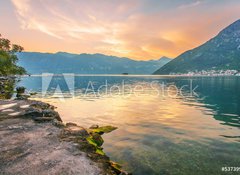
[[138, 29]]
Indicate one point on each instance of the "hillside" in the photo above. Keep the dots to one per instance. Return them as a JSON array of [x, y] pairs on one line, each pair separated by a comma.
[[61, 62], [220, 53]]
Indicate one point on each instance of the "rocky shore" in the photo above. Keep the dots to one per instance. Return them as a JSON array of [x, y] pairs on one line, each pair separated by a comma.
[[34, 140]]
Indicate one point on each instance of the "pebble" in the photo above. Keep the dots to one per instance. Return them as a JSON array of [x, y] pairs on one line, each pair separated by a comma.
[[15, 127]]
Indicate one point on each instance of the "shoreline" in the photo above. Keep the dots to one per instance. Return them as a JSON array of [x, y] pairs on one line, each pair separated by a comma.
[[118, 75], [29, 126]]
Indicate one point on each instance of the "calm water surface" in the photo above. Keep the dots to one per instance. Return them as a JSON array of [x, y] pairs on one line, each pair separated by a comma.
[[160, 130]]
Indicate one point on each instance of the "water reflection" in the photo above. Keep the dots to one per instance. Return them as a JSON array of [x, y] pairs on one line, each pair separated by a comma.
[[160, 133], [215, 96], [222, 96]]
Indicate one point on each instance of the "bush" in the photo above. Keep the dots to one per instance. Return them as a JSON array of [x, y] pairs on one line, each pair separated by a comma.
[[8, 58]]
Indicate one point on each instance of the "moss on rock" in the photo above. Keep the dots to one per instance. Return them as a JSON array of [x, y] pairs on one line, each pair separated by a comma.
[[103, 129]]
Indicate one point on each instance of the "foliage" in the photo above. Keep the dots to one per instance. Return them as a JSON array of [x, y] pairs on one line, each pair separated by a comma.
[[8, 59], [7, 88]]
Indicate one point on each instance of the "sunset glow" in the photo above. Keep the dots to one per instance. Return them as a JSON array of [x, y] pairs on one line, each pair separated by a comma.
[[138, 29]]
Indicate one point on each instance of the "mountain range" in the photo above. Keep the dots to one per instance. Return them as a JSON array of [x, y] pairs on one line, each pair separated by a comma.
[[219, 53], [62, 62]]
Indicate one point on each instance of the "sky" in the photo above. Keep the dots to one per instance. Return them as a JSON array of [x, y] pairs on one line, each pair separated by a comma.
[[138, 29]]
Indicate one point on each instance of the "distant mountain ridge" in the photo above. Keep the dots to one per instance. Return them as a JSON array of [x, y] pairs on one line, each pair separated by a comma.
[[219, 53], [63, 62]]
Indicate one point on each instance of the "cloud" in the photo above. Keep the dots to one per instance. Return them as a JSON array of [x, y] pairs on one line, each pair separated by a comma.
[[136, 28], [28, 20], [190, 5], [100, 26]]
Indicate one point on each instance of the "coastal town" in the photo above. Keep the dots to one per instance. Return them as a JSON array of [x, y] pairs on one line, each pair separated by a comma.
[[210, 73]]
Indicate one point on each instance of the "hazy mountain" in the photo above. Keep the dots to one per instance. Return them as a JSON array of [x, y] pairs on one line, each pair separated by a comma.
[[62, 62], [221, 52]]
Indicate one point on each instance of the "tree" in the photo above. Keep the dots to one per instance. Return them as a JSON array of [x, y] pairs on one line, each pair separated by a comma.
[[8, 58]]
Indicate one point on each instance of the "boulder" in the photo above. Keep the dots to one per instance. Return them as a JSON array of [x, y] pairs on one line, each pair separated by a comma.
[[20, 90], [21, 93]]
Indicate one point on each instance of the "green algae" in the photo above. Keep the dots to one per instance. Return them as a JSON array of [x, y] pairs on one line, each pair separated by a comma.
[[100, 151], [103, 129]]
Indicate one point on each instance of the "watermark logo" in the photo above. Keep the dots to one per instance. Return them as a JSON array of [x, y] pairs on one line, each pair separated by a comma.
[[59, 86], [64, 86]]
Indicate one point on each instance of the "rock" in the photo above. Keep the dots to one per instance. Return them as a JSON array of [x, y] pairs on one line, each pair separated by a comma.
[[57, 123], [116, 167], [33, 113], [33, 93], [41, 105], [76, 131], [20, 93], [71, 124], [15, 127], [22, 97], [20, 90], [43, 119], [51, 113], [43, 112], [94, 127]]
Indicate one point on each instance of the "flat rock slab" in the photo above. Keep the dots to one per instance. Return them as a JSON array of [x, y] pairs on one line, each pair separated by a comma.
[[29, 148], [12, 108]]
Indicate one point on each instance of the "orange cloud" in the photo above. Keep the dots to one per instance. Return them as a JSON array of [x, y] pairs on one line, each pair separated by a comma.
[[135, 29]]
